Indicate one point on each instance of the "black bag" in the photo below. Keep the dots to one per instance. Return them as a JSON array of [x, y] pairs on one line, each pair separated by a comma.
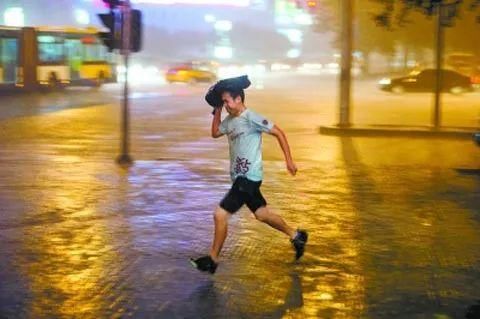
[[214, 93]]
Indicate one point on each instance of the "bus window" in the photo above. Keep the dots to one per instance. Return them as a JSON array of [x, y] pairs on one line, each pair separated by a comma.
[[8, 59], [95, 52], [50, 49], [74, 57], [73, 49]]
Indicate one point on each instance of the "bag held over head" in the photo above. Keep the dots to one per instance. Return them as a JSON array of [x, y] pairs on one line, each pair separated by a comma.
[[214, 93]]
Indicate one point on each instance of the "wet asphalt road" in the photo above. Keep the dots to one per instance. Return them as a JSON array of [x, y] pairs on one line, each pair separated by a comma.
[[394, 225]]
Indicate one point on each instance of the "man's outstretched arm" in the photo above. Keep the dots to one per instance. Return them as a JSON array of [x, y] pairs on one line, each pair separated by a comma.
[[282, 140], [217, 118]]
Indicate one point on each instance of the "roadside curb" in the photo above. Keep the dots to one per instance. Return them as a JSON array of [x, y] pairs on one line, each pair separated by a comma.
[[399, 131]]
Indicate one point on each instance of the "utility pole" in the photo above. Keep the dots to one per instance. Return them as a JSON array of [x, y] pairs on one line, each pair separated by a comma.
[[124, 33], [346, 62], [124, 158]]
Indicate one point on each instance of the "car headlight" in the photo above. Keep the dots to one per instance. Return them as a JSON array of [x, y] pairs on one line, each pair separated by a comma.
[[385, 81]]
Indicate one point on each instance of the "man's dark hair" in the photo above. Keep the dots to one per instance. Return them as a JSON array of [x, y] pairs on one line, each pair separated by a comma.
[[234, 93]]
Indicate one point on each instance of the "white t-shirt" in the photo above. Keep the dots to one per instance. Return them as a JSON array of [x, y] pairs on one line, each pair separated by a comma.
[[244, 134]]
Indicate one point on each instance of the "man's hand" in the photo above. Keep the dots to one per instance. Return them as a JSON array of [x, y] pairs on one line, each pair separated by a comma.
[[217, 115], [282, 140], [217, 109], [292, 168]]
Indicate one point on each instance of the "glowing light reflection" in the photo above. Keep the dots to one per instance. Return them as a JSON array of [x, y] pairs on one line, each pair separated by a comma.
[[233, 3]]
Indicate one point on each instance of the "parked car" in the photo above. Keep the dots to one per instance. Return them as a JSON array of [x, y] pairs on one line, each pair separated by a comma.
[[424, 81], [191, 72]]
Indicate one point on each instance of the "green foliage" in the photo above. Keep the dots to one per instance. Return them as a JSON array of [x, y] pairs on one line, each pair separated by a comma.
[[462, 19], [398, 11]]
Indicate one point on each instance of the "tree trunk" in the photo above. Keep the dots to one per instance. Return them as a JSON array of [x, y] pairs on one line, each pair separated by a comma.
[[405, 58], [366, 64], [346, 63]]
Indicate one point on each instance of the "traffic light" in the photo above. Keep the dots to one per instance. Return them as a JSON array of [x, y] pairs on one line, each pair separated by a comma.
[[110, 38], [112, 4], [312, 5], [114, 21], [136, 31]]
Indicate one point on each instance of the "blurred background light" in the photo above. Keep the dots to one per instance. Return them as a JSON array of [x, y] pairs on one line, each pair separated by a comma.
[[303, 19], [14, 17], [293, 53], [223, 52], [223, 25], [82, 16], [209, 18], [236, 3], [293, 35]]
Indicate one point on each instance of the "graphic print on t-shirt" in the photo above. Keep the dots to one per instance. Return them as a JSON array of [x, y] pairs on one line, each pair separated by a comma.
[[244, 133], [242, 165], [233, 135]]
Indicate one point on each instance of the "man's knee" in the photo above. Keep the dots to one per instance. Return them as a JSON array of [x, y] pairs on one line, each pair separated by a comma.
[[220, 214], [261, 214]]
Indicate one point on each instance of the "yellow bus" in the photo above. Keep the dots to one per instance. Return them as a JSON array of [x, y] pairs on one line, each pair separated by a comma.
[[35, 57]]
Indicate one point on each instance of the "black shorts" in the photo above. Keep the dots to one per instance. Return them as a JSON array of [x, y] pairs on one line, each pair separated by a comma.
[[243, 191]]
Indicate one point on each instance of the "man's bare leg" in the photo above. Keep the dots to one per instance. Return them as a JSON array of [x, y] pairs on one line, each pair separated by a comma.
[[265, 215], [220, 216], [297, 237]]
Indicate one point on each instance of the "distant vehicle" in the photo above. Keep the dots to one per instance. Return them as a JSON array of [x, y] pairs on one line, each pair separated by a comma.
[[33, 57], [191, 72], [424, 81], [476, 138]]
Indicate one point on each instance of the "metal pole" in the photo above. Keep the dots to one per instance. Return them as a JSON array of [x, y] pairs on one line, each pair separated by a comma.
[[439, 35], [346, 62], [124, 157]]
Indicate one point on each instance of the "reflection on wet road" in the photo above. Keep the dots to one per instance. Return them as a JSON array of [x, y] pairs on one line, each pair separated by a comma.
[[393, 225]]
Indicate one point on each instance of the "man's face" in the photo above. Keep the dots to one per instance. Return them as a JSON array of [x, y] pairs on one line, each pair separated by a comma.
[[233, 105]]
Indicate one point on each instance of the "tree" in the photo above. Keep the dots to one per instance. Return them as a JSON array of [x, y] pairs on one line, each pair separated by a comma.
[[461, 33], [385, 26], [369, 37], [394, 17], [397, 11], [446, 12]]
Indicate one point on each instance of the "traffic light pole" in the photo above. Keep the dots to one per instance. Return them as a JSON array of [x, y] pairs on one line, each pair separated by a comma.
[[125, 158]]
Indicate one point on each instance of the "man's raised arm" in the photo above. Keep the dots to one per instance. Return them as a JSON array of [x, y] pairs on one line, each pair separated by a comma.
[[217, 117]]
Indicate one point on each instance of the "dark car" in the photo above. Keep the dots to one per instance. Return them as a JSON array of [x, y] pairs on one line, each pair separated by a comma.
[[424, 81]]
